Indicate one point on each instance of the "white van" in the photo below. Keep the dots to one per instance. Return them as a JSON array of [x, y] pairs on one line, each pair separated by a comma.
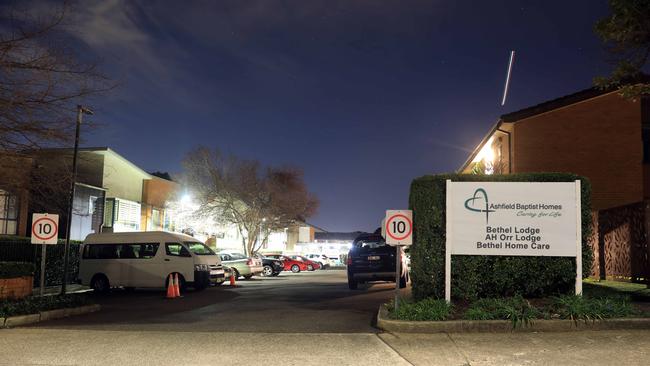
[[146, 259]]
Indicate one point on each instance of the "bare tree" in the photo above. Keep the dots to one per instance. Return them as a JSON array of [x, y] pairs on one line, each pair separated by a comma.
[[42, 79], [255, 199]]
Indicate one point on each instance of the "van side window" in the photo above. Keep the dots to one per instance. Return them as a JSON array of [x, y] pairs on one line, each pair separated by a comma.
[[120, 251], [176, 249], [148, 251]]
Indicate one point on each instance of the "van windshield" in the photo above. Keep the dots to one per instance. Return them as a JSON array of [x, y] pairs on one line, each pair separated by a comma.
[[199, 248]]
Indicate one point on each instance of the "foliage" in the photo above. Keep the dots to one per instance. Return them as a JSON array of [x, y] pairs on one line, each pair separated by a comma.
[[16, 269], [427, 309], [626, 35], [486, 276], [516, 309], [20, 249], [257, 200], [587, 309], [42, 78], [33, 305]]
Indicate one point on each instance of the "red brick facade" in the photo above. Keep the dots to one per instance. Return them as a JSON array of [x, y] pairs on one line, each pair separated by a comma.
[[16, 288], [599, 138]]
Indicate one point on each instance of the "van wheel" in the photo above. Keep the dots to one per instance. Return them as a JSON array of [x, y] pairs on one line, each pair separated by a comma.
[[100, 284]]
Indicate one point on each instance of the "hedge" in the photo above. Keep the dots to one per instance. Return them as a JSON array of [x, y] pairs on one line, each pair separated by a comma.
[[486, 276], [20, 249], [33, 305], [16, 269]]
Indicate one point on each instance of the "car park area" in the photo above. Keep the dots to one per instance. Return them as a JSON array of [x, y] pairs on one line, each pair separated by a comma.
[[306, 302]]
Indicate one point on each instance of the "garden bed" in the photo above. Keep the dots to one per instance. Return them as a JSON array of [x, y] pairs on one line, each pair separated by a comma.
[[34, 309], [600, 308]]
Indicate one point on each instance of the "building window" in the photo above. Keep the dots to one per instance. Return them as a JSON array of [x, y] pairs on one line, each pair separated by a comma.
[[8, 213]]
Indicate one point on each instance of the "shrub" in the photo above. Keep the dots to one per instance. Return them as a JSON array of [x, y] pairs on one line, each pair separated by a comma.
[[20, 249], [16, 269], [579, 308], [427, 309], [32, 305], [516, 309], [486, 276]]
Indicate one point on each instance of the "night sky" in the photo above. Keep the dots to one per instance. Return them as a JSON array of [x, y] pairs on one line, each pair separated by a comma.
[[364, 96]]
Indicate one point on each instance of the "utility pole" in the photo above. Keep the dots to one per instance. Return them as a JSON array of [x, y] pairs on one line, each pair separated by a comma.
[[80, 112]]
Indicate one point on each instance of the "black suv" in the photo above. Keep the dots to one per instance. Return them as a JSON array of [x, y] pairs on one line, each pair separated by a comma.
[[371, 259]]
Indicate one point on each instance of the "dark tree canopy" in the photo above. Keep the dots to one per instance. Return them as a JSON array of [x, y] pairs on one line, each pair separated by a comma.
[[626, 34], [42, 79]]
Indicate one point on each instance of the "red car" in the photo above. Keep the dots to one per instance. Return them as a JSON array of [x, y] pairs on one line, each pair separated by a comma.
[[291, 264], [311, 265]]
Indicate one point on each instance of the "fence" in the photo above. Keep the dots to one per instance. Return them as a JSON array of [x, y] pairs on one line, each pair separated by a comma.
[[20, 249], [620, 243]]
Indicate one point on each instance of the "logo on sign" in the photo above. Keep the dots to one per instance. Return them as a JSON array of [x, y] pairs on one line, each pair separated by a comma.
[[476, 203]]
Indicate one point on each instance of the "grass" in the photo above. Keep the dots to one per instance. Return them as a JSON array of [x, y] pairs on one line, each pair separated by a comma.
[[636, 291], [427, 309], [33, 305]]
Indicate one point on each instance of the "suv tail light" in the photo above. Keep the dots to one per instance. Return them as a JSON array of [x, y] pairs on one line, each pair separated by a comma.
[[249, 261]]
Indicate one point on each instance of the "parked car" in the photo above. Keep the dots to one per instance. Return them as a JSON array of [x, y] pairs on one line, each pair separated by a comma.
[[290, 264], [311, 265], [271, 266], [320, 258], [371, 259], [241, 265], [146, 259]]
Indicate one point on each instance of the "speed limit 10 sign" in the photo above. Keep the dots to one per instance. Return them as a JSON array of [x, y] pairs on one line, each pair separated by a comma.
[[399, 227], [45, 228]]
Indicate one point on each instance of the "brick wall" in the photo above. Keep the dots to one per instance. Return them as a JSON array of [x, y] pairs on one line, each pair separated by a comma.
[[599, 138], [16, 288]]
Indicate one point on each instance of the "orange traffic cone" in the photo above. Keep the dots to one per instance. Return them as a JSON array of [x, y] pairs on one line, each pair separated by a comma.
[[177, 287], [232, 279], [171, 293]]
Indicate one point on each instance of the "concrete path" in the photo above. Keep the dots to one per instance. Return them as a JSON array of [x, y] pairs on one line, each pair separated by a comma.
[[83, 347], [571, 348]]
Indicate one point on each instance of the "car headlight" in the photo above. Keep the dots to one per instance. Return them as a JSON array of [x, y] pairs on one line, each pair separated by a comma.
[[201, 267]]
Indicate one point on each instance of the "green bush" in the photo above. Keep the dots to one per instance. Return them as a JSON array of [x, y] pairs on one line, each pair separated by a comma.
[[32, 305], [587, 309], [486, 276], [427, 309], [20, 249], [516, 309], [16, 269]]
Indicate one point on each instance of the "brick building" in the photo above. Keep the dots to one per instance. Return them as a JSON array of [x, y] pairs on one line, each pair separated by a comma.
[[597, 134]]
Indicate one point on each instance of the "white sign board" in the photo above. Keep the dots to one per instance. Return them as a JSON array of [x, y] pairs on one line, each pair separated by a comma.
[[513, 218], [399, 227], [45, 228]]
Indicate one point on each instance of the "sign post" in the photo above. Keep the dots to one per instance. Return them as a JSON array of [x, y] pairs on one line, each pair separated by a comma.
[[398, 226], [45, 230], [541, 219]]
